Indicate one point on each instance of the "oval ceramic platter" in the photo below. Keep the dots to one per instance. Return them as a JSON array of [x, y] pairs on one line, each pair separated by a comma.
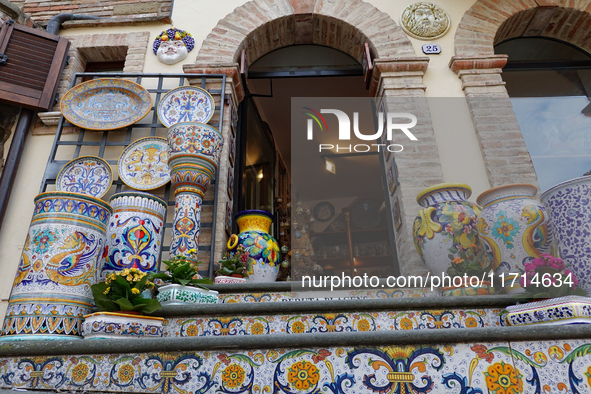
[[143, 165], [88, 175], [105, 104], [185, 104]]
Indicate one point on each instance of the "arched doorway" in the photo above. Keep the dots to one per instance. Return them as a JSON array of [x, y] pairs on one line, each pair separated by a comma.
[[257, 28]]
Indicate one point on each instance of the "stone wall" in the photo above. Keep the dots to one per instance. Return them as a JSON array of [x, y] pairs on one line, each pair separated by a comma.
[[118, 12]]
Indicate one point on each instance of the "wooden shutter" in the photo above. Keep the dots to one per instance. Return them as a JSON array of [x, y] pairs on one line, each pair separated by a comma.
[[31, 64]]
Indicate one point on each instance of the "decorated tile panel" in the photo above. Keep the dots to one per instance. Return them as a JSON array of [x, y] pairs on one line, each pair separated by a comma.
[[554, 366], [326, 295], [387, 369], [329, 322]]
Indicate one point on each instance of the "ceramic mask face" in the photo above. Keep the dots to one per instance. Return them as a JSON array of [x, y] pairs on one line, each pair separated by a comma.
[[171, 52]]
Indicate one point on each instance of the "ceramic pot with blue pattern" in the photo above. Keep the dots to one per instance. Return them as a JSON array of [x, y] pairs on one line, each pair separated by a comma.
[[445, 231], [569, 206], [263, 262], [513, 225]]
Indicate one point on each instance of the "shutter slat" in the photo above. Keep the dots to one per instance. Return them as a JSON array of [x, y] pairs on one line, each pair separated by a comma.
[[35, 62]]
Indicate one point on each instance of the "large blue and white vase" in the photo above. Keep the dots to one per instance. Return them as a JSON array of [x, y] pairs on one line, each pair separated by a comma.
[[51, 292], [569, 206], [263, 250], [193, 155], [446, 229], [134, 236], [513, 225]]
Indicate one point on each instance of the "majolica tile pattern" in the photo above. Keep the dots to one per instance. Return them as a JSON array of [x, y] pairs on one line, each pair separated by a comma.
[[330, 322], [477, 368], [563, 310], [51, 291]]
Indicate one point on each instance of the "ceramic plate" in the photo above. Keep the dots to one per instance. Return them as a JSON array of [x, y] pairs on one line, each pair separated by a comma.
[[105, 104], [143, 165], [186, 104], [86, 175]]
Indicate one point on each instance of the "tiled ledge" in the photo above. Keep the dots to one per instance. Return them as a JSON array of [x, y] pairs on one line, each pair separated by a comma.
[[387, 338]]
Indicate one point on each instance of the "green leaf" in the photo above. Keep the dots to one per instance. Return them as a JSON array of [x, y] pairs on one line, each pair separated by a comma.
[[125, 304], [151, 305], [245, 359], [184, 282], [162, 275]]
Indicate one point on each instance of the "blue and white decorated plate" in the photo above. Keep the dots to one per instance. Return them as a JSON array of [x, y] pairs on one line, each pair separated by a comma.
[[88, 175], [185, 104]]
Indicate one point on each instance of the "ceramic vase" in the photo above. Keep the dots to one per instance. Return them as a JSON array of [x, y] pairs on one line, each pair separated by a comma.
[[193, 155], [222, 279], [569, 207], [555, 311], [254, 226], [134, 235], [121, 325], [51, 292], [175, 294], [445, 229], [513, 226], [469, 287]]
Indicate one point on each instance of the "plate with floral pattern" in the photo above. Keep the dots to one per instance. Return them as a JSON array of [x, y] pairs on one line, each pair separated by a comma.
[[143, 165], [105, 104], [185, 104], [88, 175]]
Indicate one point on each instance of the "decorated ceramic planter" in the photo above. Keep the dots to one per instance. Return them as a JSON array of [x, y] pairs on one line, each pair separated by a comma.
[[222, 279], [513, 226], [51, 292], [569, 206], [263, 264], [134, 236], [446, 229], [193, 155], [470, 288], [121, 325], [555, 311], [181, 295]]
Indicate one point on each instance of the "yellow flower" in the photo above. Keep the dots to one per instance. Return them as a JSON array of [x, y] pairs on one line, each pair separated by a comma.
[[471, 322], [298, 327], [135, 291], [125, 272], [126, 373], [107, 290], [233, 376], [303, 375], [191, 251], [79, 372], [457, 260], [406, 323], [257, 328], [192, 330], [502, 378], [363, 325]]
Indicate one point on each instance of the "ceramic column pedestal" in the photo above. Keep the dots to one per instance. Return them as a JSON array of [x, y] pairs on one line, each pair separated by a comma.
[[134, 237], [51, 292], [193, 156]]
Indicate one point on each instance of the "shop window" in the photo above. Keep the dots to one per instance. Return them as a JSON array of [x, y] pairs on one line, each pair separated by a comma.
[[549, 83]]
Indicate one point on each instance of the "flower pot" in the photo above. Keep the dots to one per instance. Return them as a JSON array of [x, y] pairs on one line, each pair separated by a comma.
[[193, 154], [514, 227], [181, 295], [254, 225], [446, 228], [569, 206], [554, 311], [229, 279], [135, 232], [121, 325], [469, 288], [51, 292]]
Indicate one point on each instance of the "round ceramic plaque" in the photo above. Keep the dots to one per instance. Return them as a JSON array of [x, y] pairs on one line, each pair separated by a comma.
[[105, 104], [186, 104], [143, 165], [88, 175], [425, 21]]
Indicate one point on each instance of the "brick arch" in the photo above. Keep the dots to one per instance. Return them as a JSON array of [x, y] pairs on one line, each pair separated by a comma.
[[488, 23], [261, 26]]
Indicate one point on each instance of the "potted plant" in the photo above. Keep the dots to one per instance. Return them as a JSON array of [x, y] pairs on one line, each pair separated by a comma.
[[186, 286], [561, 300], [468, 271], [234, 267], [122, 306]]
